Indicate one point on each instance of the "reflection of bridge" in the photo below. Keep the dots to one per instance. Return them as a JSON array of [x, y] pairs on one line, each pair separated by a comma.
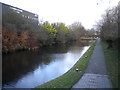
[[88, 38]]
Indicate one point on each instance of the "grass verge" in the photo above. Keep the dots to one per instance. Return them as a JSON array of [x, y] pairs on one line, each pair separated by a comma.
[[112, 64], [68, 79]]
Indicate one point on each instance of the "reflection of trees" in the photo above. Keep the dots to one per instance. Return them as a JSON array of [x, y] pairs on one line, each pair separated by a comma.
[[86, 42], [19, 64], [59, 48], [15, 65], [47, 60]]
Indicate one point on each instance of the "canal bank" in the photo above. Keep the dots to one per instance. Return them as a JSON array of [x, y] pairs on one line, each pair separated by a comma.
[[67, 80]]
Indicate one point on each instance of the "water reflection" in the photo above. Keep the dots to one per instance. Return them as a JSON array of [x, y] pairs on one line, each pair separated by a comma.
[[29, 69]]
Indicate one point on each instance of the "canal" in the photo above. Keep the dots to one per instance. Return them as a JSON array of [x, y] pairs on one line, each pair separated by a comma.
[[28, 69]]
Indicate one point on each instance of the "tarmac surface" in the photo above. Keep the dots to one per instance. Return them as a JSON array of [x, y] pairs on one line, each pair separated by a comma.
[[96, 75]]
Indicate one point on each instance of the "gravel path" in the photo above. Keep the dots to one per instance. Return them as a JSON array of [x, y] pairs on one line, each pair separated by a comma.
[[96, 74]]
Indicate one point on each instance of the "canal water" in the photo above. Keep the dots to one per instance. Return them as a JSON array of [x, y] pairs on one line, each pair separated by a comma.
[[28, 69]]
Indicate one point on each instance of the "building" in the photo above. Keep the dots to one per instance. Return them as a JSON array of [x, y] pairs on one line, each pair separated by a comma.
[[25, 14]]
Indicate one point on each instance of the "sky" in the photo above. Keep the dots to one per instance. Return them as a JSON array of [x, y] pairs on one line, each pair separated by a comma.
[[88, 12]]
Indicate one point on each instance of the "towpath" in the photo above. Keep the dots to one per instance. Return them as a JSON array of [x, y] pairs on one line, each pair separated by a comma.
[[96, 75]]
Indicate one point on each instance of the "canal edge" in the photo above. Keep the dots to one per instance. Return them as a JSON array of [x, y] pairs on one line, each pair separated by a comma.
[[54, 83]]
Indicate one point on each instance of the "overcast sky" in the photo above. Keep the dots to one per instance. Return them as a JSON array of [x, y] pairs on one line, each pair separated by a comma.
[[67, 11]]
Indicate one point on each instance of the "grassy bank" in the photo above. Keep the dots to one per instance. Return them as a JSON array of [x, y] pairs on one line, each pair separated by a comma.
[[68, 79], [112, 64]]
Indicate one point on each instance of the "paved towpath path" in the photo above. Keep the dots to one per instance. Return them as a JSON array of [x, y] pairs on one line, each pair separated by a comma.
[[96, 74]]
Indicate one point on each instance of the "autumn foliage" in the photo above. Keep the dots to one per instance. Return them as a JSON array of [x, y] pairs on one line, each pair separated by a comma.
[[22, 31], [11, 41]]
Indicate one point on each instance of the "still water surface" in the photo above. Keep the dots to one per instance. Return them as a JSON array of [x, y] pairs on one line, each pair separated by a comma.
[[28, 69]]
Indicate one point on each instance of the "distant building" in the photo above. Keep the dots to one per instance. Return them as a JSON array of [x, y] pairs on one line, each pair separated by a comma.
[[23, 13]]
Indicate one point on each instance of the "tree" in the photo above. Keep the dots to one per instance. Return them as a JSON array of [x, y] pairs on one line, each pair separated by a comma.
[[51, 30], [64, 28], [108, 26], [77, 29]]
